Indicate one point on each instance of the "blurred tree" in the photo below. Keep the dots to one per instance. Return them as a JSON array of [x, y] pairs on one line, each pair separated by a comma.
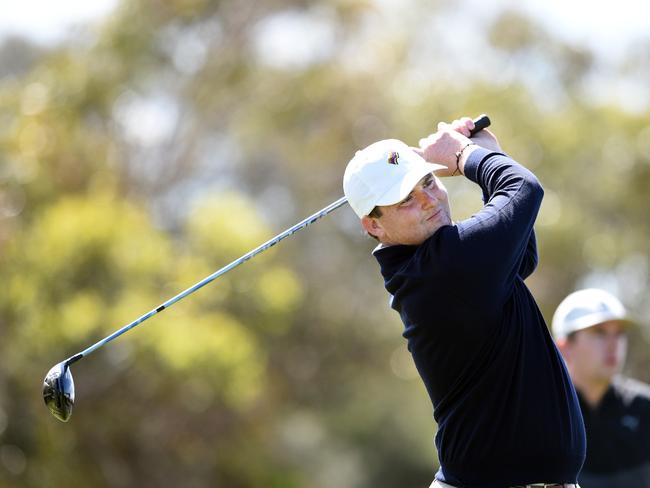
[[181, 134]]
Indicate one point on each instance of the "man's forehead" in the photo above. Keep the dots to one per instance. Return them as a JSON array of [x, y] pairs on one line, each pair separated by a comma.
[[608, 326]]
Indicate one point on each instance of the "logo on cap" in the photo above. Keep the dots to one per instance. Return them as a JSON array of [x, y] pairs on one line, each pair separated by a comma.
[[393, 158]]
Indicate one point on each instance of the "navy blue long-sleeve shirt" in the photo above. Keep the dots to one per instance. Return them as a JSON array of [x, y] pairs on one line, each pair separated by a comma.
[[506, 409]]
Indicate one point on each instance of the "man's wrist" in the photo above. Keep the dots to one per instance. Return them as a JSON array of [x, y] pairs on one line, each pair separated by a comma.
[[462, 155]]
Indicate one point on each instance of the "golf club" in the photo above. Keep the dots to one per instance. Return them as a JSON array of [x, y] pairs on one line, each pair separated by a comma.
[[58, 385]]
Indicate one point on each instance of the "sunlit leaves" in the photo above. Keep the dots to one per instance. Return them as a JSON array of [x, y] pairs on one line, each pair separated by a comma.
[[278, 289], [226, 225], [214, 347]]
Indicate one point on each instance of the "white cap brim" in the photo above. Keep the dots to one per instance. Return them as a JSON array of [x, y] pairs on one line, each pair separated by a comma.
[[401, 189]]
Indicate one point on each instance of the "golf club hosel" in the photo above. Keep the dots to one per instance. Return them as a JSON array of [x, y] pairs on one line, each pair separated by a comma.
[[73, 359]]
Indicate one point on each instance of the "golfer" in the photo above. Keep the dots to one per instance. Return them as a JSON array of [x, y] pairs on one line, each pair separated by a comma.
[[590, 327], [507, 413]]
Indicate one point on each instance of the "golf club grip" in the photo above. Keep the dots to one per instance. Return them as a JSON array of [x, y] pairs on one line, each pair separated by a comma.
[[481, 122]]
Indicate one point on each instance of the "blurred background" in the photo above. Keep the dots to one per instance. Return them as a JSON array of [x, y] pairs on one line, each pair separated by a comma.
[[146, 143]]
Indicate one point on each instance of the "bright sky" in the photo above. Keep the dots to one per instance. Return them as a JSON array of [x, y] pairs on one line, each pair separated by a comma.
[[47, 21], [607, 25]]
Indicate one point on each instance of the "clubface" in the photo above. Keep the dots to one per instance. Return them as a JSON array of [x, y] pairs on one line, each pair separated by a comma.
[[58, 391]]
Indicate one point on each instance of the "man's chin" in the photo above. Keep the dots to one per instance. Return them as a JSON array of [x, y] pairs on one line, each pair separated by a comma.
[[438, 223], [609, 371]]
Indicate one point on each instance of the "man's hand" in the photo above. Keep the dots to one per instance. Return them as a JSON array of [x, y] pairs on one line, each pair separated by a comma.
[[442, 146]]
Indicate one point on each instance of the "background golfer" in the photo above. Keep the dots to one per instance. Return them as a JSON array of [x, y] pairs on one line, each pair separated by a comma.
[[590, 327]]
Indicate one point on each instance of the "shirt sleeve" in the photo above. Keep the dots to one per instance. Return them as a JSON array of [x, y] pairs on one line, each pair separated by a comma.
[[530, 259], [497, 245]]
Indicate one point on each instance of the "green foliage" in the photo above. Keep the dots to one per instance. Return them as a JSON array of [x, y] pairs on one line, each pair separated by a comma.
[[170, 140], [238, 224]]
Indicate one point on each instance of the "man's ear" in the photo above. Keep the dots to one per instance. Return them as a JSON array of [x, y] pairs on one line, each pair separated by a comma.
[[372, 227]]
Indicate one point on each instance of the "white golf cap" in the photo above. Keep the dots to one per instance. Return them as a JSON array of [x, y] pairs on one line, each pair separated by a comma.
[[586, 308], [383, 173]]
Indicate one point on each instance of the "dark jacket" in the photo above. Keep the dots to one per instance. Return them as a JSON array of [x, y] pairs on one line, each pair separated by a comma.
[[506, 409]]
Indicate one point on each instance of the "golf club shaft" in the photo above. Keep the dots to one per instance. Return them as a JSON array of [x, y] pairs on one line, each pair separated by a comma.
[[263, 247], [480, 123]]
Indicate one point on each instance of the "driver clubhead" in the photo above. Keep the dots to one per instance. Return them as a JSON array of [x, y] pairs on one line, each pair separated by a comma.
[[58, 391]]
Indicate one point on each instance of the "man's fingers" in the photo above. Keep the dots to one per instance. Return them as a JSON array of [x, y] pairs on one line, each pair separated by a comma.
[[428, 140], [469, 125], [463, 125]]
